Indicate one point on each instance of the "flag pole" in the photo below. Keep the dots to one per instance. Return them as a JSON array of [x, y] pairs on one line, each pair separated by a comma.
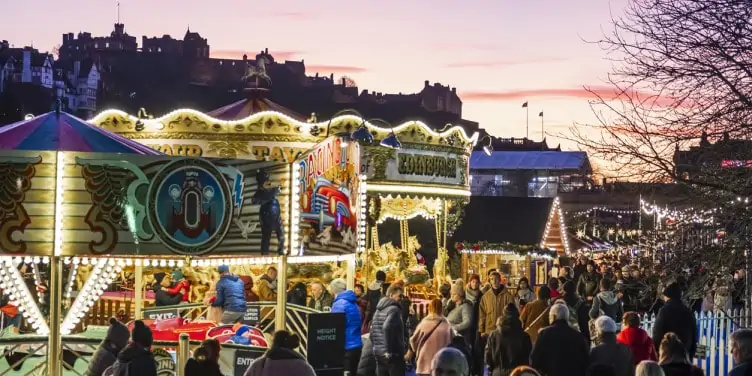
[[543, 134], [527, 121]]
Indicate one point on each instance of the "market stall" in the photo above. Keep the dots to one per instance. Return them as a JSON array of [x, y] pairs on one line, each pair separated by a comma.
[[111, 223], [516, 236]]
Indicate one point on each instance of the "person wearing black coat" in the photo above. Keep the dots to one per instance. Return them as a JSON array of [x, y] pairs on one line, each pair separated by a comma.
[[136, 358], [508, 346], [675, 317], [580, 308], [205, 360], [162, 298], [115, 341], [560, 350], [298, 294]]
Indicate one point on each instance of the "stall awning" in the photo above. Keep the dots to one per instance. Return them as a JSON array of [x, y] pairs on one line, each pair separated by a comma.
[[515, 220], [59, 131]]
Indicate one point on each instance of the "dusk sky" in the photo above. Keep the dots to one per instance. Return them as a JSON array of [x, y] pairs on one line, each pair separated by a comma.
[[497, 53]]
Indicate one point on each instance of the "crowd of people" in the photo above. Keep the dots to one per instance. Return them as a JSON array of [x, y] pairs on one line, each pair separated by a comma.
[[585, 321]]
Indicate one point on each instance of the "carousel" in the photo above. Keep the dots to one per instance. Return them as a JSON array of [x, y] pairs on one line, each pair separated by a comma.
[[93, 222], [411, 170]]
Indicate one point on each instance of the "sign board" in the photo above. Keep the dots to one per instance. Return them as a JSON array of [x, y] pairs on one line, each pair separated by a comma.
[[165, 362], [252, 315], [285, 152], [243, 360], [326, 343], [425, 167], [329, 198], [161, 314]]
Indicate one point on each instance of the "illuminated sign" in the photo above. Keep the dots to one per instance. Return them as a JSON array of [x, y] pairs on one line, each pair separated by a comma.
[[427, 165], [260, 151]]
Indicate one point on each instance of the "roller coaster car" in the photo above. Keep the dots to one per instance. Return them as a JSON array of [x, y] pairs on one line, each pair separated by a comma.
[[331, 201], [224, 334], [171, 329]]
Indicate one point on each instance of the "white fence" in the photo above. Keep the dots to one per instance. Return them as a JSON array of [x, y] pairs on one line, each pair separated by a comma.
[[714, 334]]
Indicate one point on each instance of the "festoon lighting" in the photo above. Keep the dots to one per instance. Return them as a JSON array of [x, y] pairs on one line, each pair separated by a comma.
[[20, 296], [556, 209], [362, 226], [295, 247]]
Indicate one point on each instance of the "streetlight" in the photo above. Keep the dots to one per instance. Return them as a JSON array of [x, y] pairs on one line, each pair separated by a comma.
[[488, 149]]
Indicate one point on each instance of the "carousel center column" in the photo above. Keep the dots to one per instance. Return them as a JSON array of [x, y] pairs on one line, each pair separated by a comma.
[[54, 343]]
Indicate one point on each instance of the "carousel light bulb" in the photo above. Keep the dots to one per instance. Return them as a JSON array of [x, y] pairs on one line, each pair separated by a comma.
[[85, 261], [145, 262], [171, 263], [162, 263], [18, 260], [180, 263], [35, 260]]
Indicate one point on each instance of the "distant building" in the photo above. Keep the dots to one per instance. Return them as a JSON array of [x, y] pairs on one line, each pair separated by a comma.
[[29, 66], [80, 80], [192, 45], [87, 46], [525, 168], [707, 156]]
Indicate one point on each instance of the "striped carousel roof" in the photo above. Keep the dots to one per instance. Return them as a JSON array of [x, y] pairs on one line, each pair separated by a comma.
[[60, 131], [253, 105]]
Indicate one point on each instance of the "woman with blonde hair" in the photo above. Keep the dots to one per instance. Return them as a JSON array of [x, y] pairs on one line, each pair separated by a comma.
[[673, 358], [649, 368], [432, 334], [524, 371]]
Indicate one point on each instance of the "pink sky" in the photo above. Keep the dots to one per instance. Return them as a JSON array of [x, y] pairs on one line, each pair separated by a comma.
[[497, 53]]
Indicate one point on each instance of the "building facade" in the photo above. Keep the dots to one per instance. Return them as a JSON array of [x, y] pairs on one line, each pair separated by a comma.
[[84, 45]]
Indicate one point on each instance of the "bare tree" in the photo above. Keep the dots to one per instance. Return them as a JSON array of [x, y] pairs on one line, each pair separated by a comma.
[[682, 71]]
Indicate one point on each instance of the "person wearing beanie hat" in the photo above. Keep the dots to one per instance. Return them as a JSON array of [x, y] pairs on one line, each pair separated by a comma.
[[164, 295], [230, 296], [136, 358], [609, 351], [461, 315], [508, 345], [107, 352], [675, 317], [346, 302]]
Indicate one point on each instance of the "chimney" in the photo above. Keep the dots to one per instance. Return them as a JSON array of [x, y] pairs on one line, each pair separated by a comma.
[[266, 51], [331, 77], [344, 81], [426, 83], [454, 90]]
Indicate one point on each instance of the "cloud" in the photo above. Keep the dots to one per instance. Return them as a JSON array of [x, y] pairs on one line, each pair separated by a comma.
[[591, 93], [292, 15], [503, 63], [238, 54], [326, 69]]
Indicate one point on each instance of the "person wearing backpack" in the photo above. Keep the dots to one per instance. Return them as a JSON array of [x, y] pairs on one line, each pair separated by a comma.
[[136, 358], [607, 303]]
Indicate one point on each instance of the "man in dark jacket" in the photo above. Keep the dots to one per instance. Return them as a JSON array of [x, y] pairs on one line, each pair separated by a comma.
[[115, 341], [346, 302], [587, 286], [321, 299], [230, 296], [373, 295], [741, 350], [607, 303], [388, 334], [560, 350], [677, 318], [162, 297], [136, 358]]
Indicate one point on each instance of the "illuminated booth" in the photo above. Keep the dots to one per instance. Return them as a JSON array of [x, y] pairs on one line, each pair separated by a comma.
[[516, 236], [91, 218]]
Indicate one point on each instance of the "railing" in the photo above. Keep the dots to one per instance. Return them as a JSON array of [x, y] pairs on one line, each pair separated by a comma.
[[714, 334]]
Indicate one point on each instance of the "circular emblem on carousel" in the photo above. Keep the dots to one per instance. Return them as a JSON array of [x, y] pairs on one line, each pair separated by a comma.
[[189, 208]]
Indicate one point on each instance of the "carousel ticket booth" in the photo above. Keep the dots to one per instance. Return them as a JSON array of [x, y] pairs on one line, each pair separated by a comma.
[[516, 236], [85, 233]]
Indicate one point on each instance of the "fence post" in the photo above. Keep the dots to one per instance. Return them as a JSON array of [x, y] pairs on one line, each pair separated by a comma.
[[183, 353]]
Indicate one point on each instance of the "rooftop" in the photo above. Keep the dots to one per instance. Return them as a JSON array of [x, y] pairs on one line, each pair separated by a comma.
[[531, 160]]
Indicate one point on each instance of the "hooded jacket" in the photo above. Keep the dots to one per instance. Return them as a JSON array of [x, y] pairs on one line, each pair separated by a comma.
[[134, 360], [607, 302], [639, 342], [388, 329], [250, 296], [230, 294], [346, 302], [280, 361], [107, 352]]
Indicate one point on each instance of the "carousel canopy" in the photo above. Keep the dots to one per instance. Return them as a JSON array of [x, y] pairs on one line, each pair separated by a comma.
[[60, 131], [253, 105], [515, 220]]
